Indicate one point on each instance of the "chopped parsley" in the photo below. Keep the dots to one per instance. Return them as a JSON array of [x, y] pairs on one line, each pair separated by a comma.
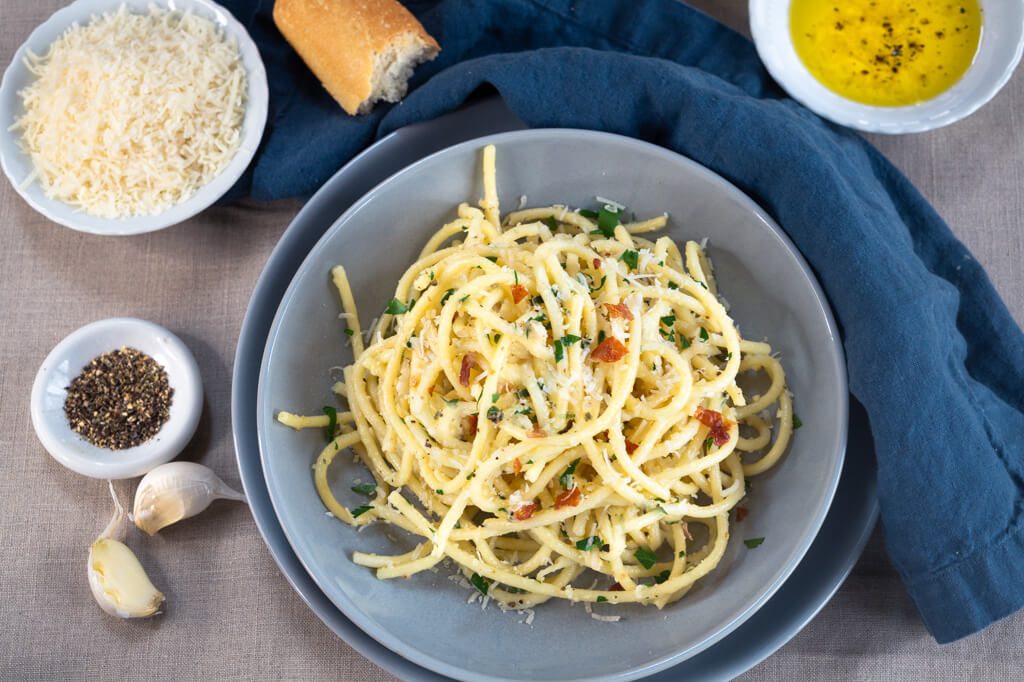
[[494, 414], [668, 320], [662, 577], [494, 397], [598, 287], [480, 583], [537, 300], [796, 422], [523, 393], [602, 599], [607, 220], [493, 259], [396, 307], [565, 480], [570, 339], [645, 556], [682, 553], [673, 285], [684, 342], [559, 351], [550, 222], [359, 511], [704, 334], [587, 213], [332, 422], [439, 491], [588, 544], [365, 488], [630, 258], [350, 332], [753, 542], [600, 335], [453, 401]]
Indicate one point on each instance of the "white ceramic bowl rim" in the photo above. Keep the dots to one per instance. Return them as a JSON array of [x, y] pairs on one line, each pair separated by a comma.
[[17, 165], [66, 361], [999, 52]]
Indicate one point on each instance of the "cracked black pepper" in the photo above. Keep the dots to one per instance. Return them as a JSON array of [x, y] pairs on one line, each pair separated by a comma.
[[120, 400]]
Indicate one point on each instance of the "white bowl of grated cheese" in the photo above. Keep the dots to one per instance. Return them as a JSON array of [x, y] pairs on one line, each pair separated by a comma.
[[174, 107]]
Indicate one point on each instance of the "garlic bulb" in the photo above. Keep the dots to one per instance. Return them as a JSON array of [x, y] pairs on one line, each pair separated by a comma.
[[175, 491], [118, 582]]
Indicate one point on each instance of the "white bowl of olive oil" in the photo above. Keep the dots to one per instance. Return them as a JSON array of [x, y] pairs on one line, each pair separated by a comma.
[[890, 66]]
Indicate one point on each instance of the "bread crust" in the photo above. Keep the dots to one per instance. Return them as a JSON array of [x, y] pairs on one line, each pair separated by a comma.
[[340, 40]]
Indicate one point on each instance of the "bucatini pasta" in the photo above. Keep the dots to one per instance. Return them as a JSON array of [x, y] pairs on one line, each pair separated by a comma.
[[551, 402]]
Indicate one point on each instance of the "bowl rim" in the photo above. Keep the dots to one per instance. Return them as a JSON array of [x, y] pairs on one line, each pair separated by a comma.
[[253, 123], [423, 659], [78, 348], [761, 35]]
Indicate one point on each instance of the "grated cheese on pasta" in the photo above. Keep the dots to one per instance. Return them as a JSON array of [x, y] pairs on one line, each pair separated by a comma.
[[132, 113]]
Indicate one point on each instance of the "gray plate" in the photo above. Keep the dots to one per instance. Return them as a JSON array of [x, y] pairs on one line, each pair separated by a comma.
[[829, 560], [772, 293]]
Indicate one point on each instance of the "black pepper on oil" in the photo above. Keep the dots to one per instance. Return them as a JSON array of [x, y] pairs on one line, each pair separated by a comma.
[[120, 400]]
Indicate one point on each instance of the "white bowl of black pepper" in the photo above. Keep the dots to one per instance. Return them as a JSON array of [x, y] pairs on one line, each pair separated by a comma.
[[117, 398]]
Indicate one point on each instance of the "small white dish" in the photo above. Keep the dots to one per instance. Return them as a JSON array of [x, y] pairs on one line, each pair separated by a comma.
[[1002, 42], [68, 359], [18, 166]]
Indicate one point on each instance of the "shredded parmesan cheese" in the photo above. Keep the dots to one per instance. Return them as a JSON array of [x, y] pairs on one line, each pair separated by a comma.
[[597, 616], [132, 113]]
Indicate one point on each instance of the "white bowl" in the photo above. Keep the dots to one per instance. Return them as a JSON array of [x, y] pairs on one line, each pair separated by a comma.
[[68, 359], [18, 166], [1002, 41]]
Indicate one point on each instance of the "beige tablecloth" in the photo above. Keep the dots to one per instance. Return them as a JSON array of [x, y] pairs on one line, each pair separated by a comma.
[[231, 614]]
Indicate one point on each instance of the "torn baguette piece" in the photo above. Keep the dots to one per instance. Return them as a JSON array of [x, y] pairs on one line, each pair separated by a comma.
[[363, 51]]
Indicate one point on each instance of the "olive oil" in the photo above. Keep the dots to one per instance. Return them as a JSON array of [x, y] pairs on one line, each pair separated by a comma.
[[886, 52]]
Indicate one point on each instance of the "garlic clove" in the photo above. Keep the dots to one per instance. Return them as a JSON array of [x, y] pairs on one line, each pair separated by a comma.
[[118, 581], [175, 491]]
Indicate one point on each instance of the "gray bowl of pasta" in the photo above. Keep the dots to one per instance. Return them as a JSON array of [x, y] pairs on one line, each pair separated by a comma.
[[541, 423]]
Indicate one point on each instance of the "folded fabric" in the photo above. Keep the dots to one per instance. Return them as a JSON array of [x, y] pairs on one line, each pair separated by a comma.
[[932, 351]]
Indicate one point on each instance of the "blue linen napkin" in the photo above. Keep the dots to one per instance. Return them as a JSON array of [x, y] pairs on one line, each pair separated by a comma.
[[932, 351]]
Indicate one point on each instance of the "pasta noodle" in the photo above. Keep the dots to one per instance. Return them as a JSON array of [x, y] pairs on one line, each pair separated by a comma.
[[551, 402]]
